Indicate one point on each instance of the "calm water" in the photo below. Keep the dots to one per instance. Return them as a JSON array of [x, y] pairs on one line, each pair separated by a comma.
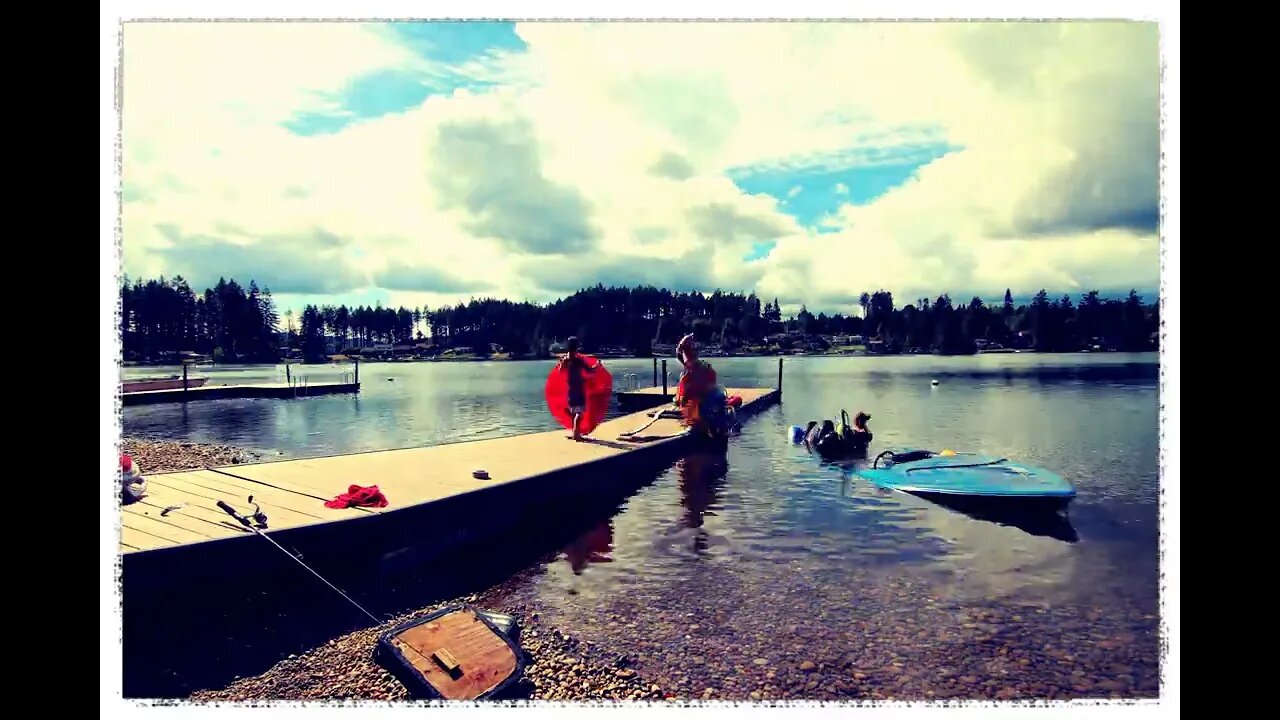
[[771, 554]]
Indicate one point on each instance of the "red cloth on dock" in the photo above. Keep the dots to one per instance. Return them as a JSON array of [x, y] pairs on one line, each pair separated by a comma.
[[357, 496], [735, 401]]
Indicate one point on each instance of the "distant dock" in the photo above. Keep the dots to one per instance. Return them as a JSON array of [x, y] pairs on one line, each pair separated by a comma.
[[661, 392], [222, 392], [643, 399]]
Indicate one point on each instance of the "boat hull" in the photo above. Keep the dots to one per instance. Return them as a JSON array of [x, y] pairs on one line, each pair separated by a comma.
[[975, 476]]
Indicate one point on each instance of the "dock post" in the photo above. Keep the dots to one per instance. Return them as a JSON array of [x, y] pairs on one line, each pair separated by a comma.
[[655, 371], [184, 379], [664, 376], [779, 376], [357, 371], [288, 378]]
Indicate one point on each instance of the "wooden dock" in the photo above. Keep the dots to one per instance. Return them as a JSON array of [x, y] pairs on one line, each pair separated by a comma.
[[222, 392], [434, 499]]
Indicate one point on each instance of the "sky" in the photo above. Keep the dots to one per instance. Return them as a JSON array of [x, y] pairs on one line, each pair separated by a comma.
[[425, 163]]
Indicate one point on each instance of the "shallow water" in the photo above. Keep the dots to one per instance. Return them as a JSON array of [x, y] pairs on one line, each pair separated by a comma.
[[723, 570]]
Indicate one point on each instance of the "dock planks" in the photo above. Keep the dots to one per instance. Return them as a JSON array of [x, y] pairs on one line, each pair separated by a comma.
[[292, 492]]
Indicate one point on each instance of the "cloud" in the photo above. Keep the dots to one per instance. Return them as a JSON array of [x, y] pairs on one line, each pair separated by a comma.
[[672, 167], [548, 156], [794, 191], [692, 271], [308, 263], [492, 169], [725, 223], [425, 279]]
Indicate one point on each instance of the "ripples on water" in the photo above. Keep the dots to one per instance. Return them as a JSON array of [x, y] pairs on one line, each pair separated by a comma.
[[769, 536]]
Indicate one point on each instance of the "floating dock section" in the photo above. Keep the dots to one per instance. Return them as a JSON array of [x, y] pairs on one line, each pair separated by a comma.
[[223, 392]]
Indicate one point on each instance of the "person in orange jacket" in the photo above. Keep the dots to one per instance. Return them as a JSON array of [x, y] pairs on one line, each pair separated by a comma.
[[698, 378]]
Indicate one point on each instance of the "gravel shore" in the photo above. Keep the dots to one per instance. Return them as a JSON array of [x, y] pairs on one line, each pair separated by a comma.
[[563, 668], [153, 456]]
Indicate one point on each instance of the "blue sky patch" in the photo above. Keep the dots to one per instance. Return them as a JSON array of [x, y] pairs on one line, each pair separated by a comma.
[[457, 42], [448, 46], [760, 250], [812, 191]]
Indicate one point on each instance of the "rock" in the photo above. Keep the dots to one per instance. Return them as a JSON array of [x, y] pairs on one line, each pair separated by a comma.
[[1110, 686], [807, 666], [760, 661]]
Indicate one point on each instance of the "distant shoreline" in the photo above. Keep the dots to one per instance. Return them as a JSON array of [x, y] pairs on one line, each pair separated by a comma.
[[709, 358]]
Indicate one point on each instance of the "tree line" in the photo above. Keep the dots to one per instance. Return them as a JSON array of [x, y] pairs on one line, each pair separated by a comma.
[[233, 323]]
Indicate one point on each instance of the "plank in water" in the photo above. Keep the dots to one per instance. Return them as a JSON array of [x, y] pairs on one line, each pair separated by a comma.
[[483, 659]]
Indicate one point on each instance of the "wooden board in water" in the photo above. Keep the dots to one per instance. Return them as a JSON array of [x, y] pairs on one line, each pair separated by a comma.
[[483, 658]]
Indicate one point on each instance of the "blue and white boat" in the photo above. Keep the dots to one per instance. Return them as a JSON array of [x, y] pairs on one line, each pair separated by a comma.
[[952, 475]]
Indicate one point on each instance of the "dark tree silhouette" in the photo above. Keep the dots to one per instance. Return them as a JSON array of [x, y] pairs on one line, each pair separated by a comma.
[[160, 318]]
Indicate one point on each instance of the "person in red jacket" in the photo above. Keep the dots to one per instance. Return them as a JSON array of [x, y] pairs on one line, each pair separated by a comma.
[[697, 380]]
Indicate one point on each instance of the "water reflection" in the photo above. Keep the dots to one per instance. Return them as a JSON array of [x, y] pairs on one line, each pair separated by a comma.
[[701, 479], [593, 546], [1039, 521]]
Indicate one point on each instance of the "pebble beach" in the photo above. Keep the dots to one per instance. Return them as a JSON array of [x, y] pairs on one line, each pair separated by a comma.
[[152, 456]]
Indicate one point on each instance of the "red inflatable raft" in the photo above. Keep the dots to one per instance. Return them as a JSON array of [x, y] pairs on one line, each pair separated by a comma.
[[597, 386]]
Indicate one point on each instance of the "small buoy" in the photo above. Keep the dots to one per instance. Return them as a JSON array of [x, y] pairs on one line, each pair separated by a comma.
[[480, 475], [934, 383], [797, 433], [391, 379]]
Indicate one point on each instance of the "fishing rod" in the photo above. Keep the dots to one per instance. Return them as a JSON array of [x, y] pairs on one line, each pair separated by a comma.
[[657, 415], [258, 522]]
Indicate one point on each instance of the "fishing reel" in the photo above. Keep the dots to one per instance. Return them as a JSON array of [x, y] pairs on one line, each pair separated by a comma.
[[259, 518]]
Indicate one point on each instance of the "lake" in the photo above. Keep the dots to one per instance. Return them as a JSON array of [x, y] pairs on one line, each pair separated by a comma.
[[767, 571]]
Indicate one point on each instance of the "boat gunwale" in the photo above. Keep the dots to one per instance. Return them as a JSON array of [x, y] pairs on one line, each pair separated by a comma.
[[1069, 493]]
